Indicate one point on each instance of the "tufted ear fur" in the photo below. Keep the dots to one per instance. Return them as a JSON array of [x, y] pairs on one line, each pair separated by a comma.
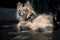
[[19, 6], [28, 5], [25, 9]]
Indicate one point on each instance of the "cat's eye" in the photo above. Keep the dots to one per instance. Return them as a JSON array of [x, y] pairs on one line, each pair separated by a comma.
[[20, 14]]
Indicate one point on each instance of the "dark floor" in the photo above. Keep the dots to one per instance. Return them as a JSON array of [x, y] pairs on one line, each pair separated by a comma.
[[7, 33]]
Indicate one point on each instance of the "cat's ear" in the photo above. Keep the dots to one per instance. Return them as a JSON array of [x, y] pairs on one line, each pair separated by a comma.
[[19, 6], [19, 9], [28, 5]]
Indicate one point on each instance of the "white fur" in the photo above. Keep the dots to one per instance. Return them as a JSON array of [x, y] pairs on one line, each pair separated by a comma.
[[43, 25]]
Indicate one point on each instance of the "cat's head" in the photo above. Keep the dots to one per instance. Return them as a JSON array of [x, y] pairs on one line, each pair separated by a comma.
[[24, 11]]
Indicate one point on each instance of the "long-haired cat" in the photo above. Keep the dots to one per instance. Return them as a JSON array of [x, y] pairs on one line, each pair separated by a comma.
[[25, 13], [44, 22]]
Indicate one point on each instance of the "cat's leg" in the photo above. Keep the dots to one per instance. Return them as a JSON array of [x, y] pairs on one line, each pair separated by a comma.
[[34, 26], [24, 25], [18, 26], [28, 24], [47, 29]]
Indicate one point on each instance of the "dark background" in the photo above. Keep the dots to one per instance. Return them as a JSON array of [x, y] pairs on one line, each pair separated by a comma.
[[12, 3], [8, 8], [38, 5], [8, 14], [9, 3]]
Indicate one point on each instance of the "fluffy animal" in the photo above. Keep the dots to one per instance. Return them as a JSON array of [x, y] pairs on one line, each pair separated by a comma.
[[43, 22], [25, 13]]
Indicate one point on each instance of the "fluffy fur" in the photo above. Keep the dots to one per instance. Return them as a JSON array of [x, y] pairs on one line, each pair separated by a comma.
[[43, 22], [24, 14]]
